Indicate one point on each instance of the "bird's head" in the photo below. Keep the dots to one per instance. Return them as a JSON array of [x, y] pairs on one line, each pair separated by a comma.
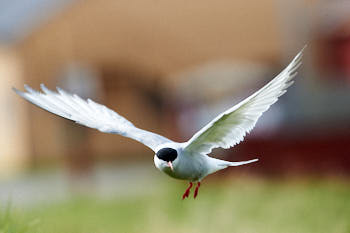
[[167, 155]]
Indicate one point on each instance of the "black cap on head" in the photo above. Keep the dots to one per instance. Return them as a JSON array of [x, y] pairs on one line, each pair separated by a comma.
[[167, 154]]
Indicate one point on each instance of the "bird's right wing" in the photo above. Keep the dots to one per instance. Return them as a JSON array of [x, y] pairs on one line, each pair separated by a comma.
[[90, 114], [230, 127]]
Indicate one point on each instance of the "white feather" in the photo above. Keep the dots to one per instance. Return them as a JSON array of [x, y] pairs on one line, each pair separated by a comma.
[[231, 126], [90, 114]]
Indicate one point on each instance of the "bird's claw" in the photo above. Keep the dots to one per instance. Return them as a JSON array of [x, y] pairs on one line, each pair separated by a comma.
[[196, 190], [187, 192]]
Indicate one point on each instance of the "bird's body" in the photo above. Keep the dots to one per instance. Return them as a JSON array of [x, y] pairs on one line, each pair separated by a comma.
[[188, 160], [185, 166], [192, 166]]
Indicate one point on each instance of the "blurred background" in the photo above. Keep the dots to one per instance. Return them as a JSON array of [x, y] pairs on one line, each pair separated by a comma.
[[170, 67]]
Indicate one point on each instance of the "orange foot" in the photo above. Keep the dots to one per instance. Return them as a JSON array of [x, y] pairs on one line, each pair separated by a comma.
[[196, 190], [187, 192]]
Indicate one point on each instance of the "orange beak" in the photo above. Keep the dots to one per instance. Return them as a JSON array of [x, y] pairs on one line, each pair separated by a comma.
[[171, 166]]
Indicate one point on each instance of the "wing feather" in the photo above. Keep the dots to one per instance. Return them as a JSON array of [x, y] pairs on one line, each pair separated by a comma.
[[90, 114], [231, 126]]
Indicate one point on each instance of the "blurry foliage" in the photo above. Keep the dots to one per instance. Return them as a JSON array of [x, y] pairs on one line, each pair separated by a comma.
[[241, 205], [9, 223]]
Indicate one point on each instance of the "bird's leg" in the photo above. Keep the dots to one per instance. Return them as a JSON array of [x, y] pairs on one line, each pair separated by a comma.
[[187, 192], [196, 190]]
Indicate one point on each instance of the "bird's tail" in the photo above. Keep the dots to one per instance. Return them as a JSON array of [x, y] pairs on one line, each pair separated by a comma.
[[218, 164], [233, 164]]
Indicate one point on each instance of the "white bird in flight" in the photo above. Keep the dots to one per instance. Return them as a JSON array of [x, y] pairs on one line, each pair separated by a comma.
[[187, 160]]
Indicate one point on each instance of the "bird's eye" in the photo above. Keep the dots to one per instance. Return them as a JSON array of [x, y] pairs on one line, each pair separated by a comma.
[[167, 154]]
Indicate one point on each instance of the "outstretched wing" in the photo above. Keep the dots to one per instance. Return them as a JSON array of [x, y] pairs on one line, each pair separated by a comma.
[[230, 127], [90, 114]]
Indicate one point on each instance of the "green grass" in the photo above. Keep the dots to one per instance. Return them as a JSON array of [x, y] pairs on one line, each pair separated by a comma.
[[230, 205]]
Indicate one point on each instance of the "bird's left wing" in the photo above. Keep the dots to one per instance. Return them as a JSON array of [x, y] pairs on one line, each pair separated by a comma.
[[230, 127], [90, 114]]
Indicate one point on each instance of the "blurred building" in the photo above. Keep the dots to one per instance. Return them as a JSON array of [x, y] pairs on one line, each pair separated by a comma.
[[157, 63], [134, 47], [14, 121]]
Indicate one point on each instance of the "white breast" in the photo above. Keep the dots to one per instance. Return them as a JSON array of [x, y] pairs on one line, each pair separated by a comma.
[[186, 167]]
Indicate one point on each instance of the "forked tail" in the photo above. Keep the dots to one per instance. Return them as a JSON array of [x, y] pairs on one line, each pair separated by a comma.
[[233, 164], [218, 164]]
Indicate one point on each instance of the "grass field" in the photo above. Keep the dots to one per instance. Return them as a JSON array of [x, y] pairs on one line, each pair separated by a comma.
[[227, 205]]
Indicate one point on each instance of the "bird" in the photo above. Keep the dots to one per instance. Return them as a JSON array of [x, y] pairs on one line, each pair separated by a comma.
[[188, 160]]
